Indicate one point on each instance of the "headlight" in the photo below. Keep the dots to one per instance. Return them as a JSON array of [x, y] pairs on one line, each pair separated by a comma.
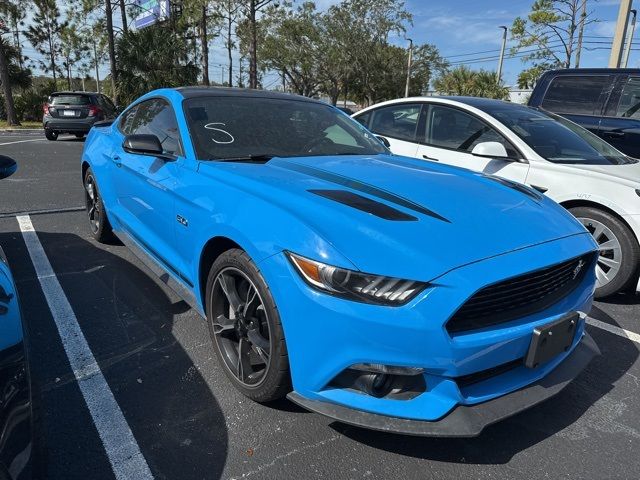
[[362, 287]]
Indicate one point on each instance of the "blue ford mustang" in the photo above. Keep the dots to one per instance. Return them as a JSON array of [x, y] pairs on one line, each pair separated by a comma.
[[379, 290]]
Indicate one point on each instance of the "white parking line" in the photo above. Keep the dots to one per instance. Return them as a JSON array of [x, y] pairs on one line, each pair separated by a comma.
[[119, 443], [634, 337], [23, 141]]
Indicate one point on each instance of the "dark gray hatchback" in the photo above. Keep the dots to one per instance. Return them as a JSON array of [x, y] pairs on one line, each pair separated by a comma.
[[75, 112]]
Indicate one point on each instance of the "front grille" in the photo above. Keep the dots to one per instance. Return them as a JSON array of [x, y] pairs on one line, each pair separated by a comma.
[[520, 296]]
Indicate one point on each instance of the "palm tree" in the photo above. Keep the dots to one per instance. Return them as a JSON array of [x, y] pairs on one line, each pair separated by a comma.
[[464, 81], [153, 57]]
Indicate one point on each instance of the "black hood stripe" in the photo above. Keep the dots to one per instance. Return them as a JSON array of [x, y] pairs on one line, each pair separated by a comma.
[[361, 187], [365, 204]]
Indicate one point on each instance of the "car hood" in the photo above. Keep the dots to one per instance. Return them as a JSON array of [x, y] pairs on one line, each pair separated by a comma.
[[629, 172], [418, 220]]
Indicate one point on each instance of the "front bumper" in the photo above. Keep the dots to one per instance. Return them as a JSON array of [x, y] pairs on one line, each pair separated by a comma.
[[466, 420], [327, 335]]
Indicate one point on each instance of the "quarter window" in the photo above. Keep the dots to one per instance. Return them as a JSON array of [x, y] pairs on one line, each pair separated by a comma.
[[575, 94], [456, 130], [397, 121], [629, 105]]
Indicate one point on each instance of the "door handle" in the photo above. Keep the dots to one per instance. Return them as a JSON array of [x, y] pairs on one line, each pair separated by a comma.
[[116, 159], [429, 158], [614, 134]]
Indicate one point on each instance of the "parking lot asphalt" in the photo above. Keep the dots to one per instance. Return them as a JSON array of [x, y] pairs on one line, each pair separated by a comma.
[[189, 422]]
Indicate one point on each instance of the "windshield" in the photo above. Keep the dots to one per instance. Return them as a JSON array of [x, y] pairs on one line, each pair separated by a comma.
[[555, 138], [228, 127], [70, 100]]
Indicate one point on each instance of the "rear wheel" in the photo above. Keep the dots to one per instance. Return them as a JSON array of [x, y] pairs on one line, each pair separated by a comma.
[[51, 134], [245, 328], [98, 221], [618, 249]]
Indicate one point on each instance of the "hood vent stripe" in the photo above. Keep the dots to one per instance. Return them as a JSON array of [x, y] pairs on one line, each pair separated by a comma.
[[361, 187], [365, 204]]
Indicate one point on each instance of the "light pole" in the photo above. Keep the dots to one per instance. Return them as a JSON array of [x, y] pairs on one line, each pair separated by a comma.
[[406, 89], [504, 44], [621, 30], [627, 50]]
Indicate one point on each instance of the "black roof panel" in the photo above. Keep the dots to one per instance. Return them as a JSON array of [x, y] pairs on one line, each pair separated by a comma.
[[202, 91]]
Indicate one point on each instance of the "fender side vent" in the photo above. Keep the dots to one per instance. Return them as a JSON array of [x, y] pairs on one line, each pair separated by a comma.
[[365, 204]]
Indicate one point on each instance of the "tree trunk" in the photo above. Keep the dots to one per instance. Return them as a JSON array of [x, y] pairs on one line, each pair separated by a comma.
[[12, 119], [229, 49], [123, 13], [253, 49], [112, 51], [205, 46], [69, 74], [52, 55]]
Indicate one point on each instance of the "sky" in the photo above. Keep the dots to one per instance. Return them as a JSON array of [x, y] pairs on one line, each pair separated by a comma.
[[464, 31]]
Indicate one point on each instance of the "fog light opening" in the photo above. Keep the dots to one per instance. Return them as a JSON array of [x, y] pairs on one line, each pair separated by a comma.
[[375, 384]]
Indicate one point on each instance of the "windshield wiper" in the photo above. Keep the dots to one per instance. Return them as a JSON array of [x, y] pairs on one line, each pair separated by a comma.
[[246, 158]]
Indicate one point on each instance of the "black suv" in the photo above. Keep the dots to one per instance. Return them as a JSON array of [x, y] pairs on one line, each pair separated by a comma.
[[75, 112], [603, 100]]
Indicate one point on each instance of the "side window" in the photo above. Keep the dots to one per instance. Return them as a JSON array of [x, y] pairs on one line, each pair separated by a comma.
[[397, 121], [364, 118], [454, 129], [156, 117], [126, 122], [629, 105], [575, 94]]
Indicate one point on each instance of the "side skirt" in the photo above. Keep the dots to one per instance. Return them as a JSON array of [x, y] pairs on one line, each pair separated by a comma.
[[160, 271]]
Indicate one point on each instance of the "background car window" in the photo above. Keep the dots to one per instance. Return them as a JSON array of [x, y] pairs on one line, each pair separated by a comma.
[[397, 121], [364, 118], [126, 122], [72, 99], [156, 117], [629, 105], [575, 94], [454, 129]]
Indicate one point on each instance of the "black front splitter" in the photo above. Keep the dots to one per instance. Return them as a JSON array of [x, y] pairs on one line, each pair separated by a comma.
[[465, 421]]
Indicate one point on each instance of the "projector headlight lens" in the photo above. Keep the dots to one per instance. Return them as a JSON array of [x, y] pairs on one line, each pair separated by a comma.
[[358, 286]]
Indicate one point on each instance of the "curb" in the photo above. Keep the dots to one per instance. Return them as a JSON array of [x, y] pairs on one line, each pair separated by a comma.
[[21, 130]]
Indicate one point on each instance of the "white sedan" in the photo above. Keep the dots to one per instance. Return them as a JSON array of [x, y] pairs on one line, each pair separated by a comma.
[[595, 182]]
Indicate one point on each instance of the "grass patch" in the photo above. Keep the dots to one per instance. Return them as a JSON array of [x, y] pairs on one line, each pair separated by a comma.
[[4, 125]]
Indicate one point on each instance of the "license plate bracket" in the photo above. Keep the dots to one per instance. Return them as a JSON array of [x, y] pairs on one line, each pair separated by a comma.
[[551, 340]]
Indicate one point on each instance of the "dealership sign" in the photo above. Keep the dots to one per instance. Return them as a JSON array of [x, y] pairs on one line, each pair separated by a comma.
[[151, 11]]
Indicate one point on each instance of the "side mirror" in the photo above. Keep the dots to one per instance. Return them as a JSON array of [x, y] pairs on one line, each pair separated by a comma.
[[145, 145], [8, 166], [384, 141], [490, 149]]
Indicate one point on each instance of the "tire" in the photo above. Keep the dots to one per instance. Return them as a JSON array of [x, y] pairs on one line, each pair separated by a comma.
[[51, 134], [233, 333], [617, 266], [98, 220]]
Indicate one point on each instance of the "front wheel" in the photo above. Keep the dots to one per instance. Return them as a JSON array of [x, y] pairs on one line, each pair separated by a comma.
[[618, 249], [245, 328]]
